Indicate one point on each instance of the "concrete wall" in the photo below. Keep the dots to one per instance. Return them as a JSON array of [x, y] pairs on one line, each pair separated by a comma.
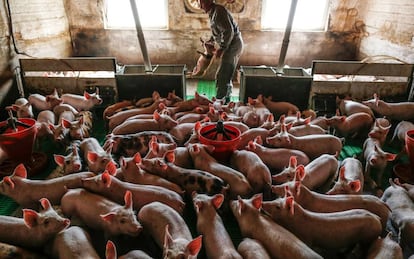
[[40, 29], [389, 29], [178, 44]]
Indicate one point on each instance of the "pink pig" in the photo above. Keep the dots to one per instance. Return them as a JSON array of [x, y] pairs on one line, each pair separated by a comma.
[[95, 155], [169, 231], [101, 213], [160, 122], [35, 229], [83, 103]]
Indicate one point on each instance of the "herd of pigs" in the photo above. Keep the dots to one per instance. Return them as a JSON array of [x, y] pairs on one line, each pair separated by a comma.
[[284, 187]]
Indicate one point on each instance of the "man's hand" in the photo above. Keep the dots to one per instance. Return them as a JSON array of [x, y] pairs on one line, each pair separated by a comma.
[[219, 52]]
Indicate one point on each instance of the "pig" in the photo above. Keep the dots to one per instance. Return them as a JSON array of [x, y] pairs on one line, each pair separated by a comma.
[[278, 242], [402, 215], [351, 178], [205, 58], [113, 108], [61, 133], [353, 126], [317, 202], [279, 108], [188, 179], [202, 159], [348, 107], [131, 172], [191, 117], [82, 127], [267, 155], [128, 145], [64, 107], [326, 143], [44, 118], [182, 132], [71, 162], [101, 213], [385, 248], [216, 239], [95, 156], [256, 172], [251, 249], [295, 120], [111, 253], [260, 109], [252, 134], [35, 229], [320, 230], [316, 175], [169, 231], [379, 130], [159, 122], [72, 242], [27, 192], [83, 103], [158, 149], [409, 187], [120, 117], [48, 102], [114, 189], [199, 100], [375, 158], [394, 111], [22, 107], [306, 129]]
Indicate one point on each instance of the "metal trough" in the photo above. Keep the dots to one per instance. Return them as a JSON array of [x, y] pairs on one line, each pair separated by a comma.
[[292, 86], [134, 82]]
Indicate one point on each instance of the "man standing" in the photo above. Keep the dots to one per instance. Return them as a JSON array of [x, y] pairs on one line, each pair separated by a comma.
[[227, 35]]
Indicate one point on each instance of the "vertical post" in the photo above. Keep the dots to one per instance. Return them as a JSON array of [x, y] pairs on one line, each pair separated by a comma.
[[286, 37], [141, 39]]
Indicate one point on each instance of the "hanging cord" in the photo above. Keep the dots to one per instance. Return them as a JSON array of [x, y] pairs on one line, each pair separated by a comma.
[[10, 21]]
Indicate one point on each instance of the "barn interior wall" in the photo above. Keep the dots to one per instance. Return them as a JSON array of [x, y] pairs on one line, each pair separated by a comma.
[[389, 29]]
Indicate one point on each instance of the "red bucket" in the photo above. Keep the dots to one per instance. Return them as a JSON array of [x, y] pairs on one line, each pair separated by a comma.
[[222, 148], [18, 145], [409, 146]]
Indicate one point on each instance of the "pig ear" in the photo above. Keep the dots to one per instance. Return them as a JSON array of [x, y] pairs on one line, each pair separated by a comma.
[[155, 147], [293, 162], [300, 173], [217, 200], [156, 116], [194, 247], [20, 171], [128, 199], [170, 156], [86, 95], [110, 217], [92, 156], [289, 203], [7, 180], [355, 185], [307, 120], [30, 217], [110, 250], [257, 200], [251, 146], [111, 168], [390, 157], [342, 173], [45, 203], [241, 204], [137, 158], [167, 238], [59, 159], [197, 127], [258, 140], [106, 179], [297, 186], [66, 124]]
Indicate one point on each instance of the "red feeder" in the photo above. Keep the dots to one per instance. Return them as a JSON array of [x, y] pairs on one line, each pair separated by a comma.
[[224, 138]]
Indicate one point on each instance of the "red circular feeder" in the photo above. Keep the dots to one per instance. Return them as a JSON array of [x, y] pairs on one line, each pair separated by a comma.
[[224, 138]]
